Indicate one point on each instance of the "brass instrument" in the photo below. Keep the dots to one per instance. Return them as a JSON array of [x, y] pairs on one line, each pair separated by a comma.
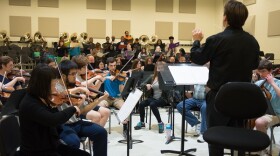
[[84, 37], [154, 39], [64, 36], [3, 37], [144, 40]]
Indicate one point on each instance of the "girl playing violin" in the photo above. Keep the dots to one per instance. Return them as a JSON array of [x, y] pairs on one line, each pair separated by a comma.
[[6, 66], [99, 114], [39, 117], [273, 86]]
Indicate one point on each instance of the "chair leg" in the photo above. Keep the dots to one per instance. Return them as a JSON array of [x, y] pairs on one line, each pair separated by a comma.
[[271, 140], [110, 122], [150, 119], [89, 147], [146, 114]]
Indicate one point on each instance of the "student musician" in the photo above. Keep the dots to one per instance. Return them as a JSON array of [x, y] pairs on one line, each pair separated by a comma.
[[75, 128], [39, 117], [99, 114], [273, 86], [153, 101], [114, 85], [7, 84]]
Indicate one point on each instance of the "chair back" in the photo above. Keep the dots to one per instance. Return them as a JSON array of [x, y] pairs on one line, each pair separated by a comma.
[[9, 135], [241, 100]]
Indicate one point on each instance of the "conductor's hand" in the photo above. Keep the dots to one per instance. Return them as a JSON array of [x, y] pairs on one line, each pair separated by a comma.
[[197, 34]]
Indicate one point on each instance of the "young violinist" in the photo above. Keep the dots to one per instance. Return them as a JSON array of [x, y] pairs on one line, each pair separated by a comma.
[[99, 114], [39, 117], [75, 127], [114, 87], [273, 86], [6, 84]]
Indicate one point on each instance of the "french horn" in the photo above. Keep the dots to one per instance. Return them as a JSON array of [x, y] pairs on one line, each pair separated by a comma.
[[154, 39], [144, 40]]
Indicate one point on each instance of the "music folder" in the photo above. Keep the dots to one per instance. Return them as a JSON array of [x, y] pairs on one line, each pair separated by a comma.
[[182, 75]]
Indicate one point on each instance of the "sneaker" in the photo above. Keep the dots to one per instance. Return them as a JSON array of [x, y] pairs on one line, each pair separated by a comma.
[[200, 139], [161, 127], [139, 125]]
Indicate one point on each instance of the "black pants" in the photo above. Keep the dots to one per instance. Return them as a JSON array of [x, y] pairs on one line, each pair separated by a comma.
[[154, 104]]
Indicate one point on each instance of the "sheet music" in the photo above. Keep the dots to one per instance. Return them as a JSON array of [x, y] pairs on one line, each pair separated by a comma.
[[129, 104], [189, 75]]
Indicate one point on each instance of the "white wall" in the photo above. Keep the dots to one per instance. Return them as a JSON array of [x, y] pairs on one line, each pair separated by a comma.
[[72, 16]]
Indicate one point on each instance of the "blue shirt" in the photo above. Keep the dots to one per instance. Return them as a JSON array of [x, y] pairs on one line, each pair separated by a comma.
[[112, 87], [275, 100]]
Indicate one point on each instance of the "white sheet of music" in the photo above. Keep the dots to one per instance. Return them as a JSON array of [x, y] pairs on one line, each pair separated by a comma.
[[129, 104], [189, 75]]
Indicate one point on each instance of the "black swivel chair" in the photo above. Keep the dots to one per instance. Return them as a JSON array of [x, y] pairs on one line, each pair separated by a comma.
[[239, 101], [9, 136]]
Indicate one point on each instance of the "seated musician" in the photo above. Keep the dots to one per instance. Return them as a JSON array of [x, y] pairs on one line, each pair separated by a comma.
[[121, 46], [62, 51], [156, 54], [39, 117], [149, 66], [75, 128], [128, 38], [154, 101], [97, 51], [75, 46], [99, 114], [128, 53], [106, 45], [114, 86], [195, 100], [8, 84], [143, 54], [160, 44], [136, 71], [171, 47], [273, 86], [91, 62]]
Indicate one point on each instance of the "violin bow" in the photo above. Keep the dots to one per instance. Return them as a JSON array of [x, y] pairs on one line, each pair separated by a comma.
[[126, 64], [59, 71]]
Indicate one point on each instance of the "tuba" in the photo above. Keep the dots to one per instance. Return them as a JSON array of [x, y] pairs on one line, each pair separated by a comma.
[[154, 39], [3, 36], [37, 37], [84, 37], [64, 36], [143, 40]]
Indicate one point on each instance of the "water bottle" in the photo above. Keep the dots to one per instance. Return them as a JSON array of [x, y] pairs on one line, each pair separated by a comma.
[[168, 131]]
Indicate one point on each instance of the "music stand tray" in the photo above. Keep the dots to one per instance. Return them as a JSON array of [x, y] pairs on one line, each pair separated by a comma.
[[183, 75]]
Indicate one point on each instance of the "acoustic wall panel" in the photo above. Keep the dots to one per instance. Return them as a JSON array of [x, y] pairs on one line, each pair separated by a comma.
[[20, 2], [19, 25], [187, 6], [48, 3], [185, 31], [96, 28], [273, 23], [249, 26], [164, 6], [119, 27], [249, 2], [96, 4], [122, 5], [48, 26], [164, 29]]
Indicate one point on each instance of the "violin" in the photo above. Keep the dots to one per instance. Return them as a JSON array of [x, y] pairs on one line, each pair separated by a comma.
[[59, 99], [121, 76], [6, 91], [91, 74], [18, 73]]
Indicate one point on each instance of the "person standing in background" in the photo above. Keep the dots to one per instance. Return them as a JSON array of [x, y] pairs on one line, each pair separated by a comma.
[[226, 52]]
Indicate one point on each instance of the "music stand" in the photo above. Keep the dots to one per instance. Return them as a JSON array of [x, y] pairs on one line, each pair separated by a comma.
[[131, 95], [199, 75]]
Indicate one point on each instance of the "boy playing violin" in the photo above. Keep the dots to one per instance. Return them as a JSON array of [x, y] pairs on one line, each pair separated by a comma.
[[75, 127], [273, 86], [99, 114]]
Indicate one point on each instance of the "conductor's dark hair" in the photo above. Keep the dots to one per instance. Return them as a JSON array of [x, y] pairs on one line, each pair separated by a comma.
[[236, 13], [40, 81]]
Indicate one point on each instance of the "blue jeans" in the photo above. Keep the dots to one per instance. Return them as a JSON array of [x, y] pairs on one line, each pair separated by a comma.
[[71, 134], [189, 117]]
